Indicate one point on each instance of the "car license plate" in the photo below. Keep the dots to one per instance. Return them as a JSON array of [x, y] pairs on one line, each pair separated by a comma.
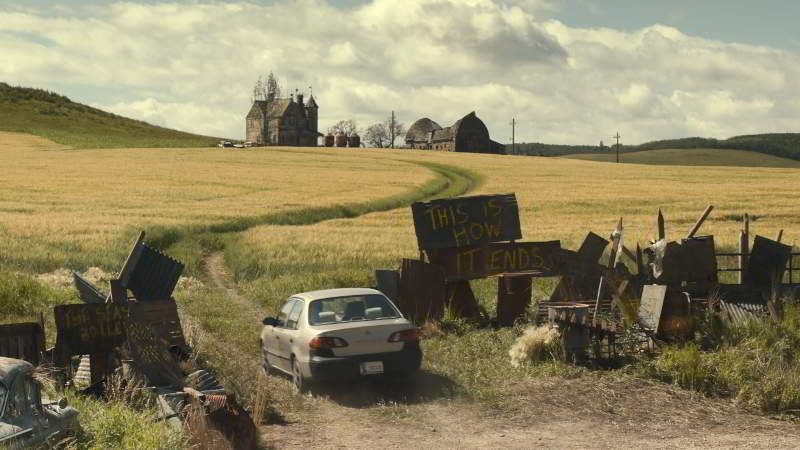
[[371, 367]]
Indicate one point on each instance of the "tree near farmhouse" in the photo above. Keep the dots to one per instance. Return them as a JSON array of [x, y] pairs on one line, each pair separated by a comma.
[[380, 134], [346, 127]]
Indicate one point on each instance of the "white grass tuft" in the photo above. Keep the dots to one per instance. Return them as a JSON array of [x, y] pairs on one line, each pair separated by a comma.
[[535, 344]]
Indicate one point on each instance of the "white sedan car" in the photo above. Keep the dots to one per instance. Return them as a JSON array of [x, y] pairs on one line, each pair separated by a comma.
[[339, 334]]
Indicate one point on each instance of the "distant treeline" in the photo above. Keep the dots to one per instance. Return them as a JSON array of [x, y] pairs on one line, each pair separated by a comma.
[[785, 145]]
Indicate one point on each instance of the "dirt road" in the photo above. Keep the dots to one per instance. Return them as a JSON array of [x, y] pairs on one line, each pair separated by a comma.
[[588, 412]]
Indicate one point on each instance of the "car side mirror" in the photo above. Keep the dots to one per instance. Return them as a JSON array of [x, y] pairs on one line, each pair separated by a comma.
[[62, 402], [270, 321]]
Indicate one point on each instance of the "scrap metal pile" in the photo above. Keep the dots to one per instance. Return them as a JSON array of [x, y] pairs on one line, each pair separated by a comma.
[[468, 238], [139, 336]]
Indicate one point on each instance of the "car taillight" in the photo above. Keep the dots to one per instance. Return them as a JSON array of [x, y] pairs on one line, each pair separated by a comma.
[[327, 342], [405, 335]]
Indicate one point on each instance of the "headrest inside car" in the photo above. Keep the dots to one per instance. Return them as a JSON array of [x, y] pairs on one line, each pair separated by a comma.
[[373, 313], [327, 316]]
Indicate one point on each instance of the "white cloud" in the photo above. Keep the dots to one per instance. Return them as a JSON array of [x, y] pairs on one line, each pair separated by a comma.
[[192, 66]]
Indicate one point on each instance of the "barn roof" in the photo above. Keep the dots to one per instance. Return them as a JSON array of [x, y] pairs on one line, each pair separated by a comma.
[[420, 130], [278, 107]]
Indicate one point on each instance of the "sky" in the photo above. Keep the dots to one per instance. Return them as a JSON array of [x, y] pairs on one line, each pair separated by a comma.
[[568, 71]]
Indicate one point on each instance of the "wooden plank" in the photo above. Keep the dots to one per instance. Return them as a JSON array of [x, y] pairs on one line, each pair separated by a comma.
[[162, 317], [699, 222], [651, 306], [616, 243], [133, 258], [513, 298], [151, 355], [768, 258], [422, 291], [535, 258], [461, 300], [466, 221], [90, 328], [387, 282], [22, 341], [662, 232], [581, 270]]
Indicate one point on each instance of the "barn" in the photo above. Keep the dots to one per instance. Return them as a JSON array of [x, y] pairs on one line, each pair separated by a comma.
[[469, 135]]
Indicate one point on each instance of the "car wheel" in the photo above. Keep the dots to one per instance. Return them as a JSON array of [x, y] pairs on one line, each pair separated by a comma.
[[300, 383]]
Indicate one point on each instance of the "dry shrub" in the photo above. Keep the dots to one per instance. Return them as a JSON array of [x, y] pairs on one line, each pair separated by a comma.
[[430, 329], [535, 344], [201, 433]]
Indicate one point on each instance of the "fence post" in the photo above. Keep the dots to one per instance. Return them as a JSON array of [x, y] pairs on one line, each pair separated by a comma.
[[744, 248]]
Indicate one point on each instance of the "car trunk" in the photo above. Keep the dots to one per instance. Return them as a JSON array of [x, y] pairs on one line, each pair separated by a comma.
[[366, 337]]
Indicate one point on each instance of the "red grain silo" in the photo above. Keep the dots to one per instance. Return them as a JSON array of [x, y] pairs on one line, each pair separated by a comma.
[[354, 141], [329, 140], [341, 140]]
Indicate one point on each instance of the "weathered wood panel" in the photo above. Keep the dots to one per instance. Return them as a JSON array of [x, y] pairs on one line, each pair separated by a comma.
[[422, 291], [513, 298], [535, 258], [466, 221]]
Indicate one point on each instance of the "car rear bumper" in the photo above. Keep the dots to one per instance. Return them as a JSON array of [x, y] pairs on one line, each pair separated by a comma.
[[343, 368]]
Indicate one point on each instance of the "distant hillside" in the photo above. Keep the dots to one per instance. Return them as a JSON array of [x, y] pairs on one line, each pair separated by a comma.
[[694, 157], [784, 145], [59, 119]]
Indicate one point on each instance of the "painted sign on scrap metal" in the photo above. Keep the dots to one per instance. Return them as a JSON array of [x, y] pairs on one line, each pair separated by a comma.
[[536, 258], [90, 328], [466, 221]]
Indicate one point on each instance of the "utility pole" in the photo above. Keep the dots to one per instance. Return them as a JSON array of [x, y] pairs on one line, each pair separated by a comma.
[[513, 136], [392, 130], [617, 136]]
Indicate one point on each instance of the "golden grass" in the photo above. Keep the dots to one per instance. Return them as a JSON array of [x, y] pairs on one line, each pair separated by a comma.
[[86, 198], [564, 199]]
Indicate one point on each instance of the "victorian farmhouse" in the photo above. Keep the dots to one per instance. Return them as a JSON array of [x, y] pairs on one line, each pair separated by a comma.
[[283, 121]]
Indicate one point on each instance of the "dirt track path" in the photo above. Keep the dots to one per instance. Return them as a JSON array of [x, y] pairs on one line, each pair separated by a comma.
[[539, 413]]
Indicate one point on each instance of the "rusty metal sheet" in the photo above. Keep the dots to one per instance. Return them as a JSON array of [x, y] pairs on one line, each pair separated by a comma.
[[162, 317], [150, 274], [651, 306], [741, 313], [422, 291], [535, 258], [466, 221], [513, 298], [767, 259], [87, 291], [24, 341], [90, 328]]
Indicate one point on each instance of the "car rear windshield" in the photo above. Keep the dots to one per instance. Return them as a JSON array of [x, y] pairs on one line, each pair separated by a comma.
[[351, 308]]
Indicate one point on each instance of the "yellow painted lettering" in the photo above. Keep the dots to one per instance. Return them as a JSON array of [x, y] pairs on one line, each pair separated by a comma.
[[461, 236]]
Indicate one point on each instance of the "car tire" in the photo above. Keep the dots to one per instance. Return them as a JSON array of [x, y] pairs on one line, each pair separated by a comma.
[[301, 384]]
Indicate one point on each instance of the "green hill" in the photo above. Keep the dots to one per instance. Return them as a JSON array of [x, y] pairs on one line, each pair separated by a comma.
[[56, 117], [694, 157], [784, 145]]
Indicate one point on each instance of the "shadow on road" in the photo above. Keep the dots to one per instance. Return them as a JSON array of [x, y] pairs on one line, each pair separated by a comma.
[[420, 387]]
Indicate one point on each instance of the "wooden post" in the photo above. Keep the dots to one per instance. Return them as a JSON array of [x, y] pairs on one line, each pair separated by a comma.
[[700, 222], [118, 293], [662, 233], [639, 259], [744, 248], [780, 236]]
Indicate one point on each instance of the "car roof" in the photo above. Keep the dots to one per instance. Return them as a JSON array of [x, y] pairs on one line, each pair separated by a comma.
[[10, 368], [340, 292]]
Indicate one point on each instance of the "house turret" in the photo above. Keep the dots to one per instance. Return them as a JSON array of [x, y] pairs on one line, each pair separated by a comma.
[[312, 110]]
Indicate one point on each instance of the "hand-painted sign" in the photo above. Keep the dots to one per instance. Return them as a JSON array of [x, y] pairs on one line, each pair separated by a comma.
[[466, 221], [535, 258], [90, 328]]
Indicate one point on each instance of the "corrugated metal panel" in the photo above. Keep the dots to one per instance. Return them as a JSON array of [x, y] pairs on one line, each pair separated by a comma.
[[154, 275], [741, 313], [86, 290]]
